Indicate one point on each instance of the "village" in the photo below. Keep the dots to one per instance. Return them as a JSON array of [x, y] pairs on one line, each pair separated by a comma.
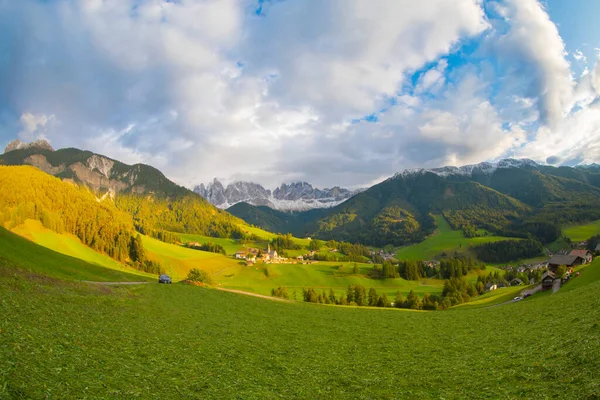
[[270, 256], [555, 271]]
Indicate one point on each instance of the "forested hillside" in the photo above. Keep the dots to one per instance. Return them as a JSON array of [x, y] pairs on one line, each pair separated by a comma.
[[154, 202], [27, 193], [527, 199]]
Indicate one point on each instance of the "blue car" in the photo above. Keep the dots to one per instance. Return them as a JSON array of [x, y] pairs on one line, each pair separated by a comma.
[[164, 279]]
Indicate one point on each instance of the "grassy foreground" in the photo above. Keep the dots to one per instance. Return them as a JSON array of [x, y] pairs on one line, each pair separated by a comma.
[[63, 339]]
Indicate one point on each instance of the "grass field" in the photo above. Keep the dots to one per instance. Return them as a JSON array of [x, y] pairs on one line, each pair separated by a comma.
[[230, 273], [231, 246], [581, 232], [71, 340], [266, 235], [445, 240], [497, 296], [70, 245], [324, 275], [32, 257], [178, 260]]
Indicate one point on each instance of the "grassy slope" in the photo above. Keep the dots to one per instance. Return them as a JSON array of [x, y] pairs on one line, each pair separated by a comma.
[[445, 240], [39, 259], [268, 235], [178, 260], [65, 340], [578, 233], [497, 296], [323, 275], [231, 246], [233, 274], [70, 245]]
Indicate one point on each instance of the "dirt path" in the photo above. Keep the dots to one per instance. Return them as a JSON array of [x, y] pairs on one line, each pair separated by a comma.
[[253, 294], [116, 283], [522, 294], [556, 286]]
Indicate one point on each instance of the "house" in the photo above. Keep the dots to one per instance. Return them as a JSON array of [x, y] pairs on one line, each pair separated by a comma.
[[548, 280], [241, 254], [491, 286], [586, 255], [566, 260], [516, 282]]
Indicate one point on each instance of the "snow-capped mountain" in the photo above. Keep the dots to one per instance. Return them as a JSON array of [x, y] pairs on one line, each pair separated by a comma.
[[484, 168], [298, 196]]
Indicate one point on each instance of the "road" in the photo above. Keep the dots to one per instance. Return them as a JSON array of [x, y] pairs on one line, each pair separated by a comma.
[[262, 296], [522, 294], [116, 283]]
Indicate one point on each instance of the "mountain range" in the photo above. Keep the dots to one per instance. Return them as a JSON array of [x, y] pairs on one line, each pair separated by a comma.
[[297, 196], [512, 197]]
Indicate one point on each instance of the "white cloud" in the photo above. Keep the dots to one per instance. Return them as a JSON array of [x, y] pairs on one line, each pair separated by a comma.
[[34, 126], [207, 88], [595, 76], [533, 54], [575, 140], [579, 56]]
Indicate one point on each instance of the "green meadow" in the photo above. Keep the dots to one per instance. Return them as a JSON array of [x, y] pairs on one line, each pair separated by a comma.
[[581, 232], [69, 340], [178, 260], [29, 256], [69, 245], [266, 235], [445, 240], [231, 246], [261, 278]]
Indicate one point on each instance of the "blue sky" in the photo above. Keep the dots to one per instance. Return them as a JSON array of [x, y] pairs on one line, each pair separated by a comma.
[[272, 91]]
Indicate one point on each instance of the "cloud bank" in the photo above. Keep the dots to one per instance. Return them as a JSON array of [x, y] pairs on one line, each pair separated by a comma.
[[336, 93]]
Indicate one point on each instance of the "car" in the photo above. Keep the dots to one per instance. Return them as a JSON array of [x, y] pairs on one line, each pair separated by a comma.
[[526, 295], [517, 298], [163, 278]]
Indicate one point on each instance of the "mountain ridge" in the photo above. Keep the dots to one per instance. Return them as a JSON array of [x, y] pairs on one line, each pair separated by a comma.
[[154, 202], [296, 196]]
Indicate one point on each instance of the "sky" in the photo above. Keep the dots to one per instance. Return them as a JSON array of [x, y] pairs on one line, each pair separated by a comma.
[[332, 92]]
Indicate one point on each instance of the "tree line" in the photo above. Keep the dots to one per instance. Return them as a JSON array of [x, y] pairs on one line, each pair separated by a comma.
[[209, 246], [508, 250], [456, 291]]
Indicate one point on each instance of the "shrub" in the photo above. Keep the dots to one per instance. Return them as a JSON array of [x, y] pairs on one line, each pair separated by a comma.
[[198, 275]]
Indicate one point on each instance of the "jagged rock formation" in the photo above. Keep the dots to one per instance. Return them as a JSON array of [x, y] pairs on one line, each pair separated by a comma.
[[18, 145], [99, 173], [298, 196]]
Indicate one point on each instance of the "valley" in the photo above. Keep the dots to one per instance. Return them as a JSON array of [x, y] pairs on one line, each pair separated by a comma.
[[414, 243], [260, 200]]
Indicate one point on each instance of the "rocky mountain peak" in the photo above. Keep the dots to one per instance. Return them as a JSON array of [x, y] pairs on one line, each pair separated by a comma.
[[473, 169], [18, 145], [295, 196]]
